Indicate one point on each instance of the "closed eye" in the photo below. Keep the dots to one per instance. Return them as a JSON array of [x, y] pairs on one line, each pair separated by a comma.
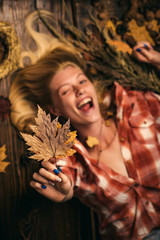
[[83, 81], [65, 92]]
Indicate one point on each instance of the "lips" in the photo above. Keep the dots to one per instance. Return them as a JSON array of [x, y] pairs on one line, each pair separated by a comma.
[[85, 104]]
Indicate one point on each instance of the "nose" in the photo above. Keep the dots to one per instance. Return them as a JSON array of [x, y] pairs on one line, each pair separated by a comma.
[[79, 90]]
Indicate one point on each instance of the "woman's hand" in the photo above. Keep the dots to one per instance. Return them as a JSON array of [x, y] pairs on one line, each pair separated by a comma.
[[144, 52], [52, 183]]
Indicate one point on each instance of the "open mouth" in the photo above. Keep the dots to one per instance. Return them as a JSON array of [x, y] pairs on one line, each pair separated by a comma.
[[86, 104]]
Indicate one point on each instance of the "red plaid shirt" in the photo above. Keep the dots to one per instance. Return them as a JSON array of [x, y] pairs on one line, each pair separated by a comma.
[[128, 207]]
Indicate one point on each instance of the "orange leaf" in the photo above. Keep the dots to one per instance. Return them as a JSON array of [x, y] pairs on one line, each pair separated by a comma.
[[92, 141], [3, 155]]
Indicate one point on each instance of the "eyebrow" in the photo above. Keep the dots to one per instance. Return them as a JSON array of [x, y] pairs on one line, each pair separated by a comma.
[[81, 73]]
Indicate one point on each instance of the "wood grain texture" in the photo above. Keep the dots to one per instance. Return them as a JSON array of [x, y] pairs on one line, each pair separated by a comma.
[[24, 214]]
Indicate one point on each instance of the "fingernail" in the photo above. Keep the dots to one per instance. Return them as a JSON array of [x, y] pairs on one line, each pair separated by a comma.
[[43, 186], [51, 183], [56, 171], [58, 179], [59, 169], [138, 50], [145, 45]]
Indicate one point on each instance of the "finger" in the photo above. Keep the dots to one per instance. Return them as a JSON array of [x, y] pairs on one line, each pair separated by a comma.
[[42, 180], [148, 46], [143, 44], [37, 185], [37, 177], [65, 179], [144, 55], [52, 168], [147, 54], [140, 56], [50, 176], [52, 160], [49, 165], [55, 169], [51, 193]]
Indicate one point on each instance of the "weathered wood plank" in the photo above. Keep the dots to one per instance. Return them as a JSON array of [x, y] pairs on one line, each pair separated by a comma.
[[24, 214]]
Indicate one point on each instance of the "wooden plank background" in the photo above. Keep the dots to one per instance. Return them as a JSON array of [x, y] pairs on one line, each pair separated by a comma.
[[24, 214]]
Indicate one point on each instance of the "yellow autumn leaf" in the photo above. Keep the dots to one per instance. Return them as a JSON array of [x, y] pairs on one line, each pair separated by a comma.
[[59, 125], [72, 136], [92, 141], [120, 45], [110, 26], [3, 155], [68, 153], [140, 33]]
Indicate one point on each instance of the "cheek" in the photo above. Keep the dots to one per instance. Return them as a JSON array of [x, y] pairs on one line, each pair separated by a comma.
[[91, 88], [94, 93], [65, 105], [57, 103]]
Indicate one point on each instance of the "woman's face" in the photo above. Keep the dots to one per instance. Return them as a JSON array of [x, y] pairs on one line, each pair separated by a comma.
[[74, 96]]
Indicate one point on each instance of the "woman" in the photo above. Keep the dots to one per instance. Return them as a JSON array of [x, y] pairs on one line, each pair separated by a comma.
[[118, 177]]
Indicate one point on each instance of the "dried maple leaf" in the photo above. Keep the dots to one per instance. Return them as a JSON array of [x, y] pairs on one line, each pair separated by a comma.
[[50, 138], [3, 155]]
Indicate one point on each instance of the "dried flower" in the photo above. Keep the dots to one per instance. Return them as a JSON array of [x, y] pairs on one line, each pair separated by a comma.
[[4, 107]]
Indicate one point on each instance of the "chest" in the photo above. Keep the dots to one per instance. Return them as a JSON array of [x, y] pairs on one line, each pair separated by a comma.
[[111, 157]]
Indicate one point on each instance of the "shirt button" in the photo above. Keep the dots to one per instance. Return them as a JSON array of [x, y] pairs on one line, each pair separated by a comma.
[[147, 202], [136, 185], [128, 161]]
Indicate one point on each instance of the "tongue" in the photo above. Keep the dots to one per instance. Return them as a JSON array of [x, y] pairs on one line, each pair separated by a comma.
[[85, 107]]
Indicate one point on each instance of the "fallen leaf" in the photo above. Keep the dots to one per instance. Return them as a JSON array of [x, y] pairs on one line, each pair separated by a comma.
[[50, 138], [141, 33], [3, 155], [92, 141], [120, 45]]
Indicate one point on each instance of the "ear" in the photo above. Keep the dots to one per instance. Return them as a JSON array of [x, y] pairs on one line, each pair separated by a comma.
[[54, 111]]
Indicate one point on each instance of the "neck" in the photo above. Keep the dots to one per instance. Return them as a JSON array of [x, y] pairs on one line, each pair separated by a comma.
[[104, 134], [91, 129]]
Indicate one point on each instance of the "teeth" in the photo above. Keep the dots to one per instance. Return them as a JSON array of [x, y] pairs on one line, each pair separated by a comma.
[[86, 100]]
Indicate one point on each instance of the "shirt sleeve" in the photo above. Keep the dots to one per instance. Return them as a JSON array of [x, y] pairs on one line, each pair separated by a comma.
[[72, 168], [153, 101]]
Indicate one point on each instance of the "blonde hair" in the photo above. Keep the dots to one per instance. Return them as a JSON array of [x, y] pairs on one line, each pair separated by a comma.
[[30, 84]]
